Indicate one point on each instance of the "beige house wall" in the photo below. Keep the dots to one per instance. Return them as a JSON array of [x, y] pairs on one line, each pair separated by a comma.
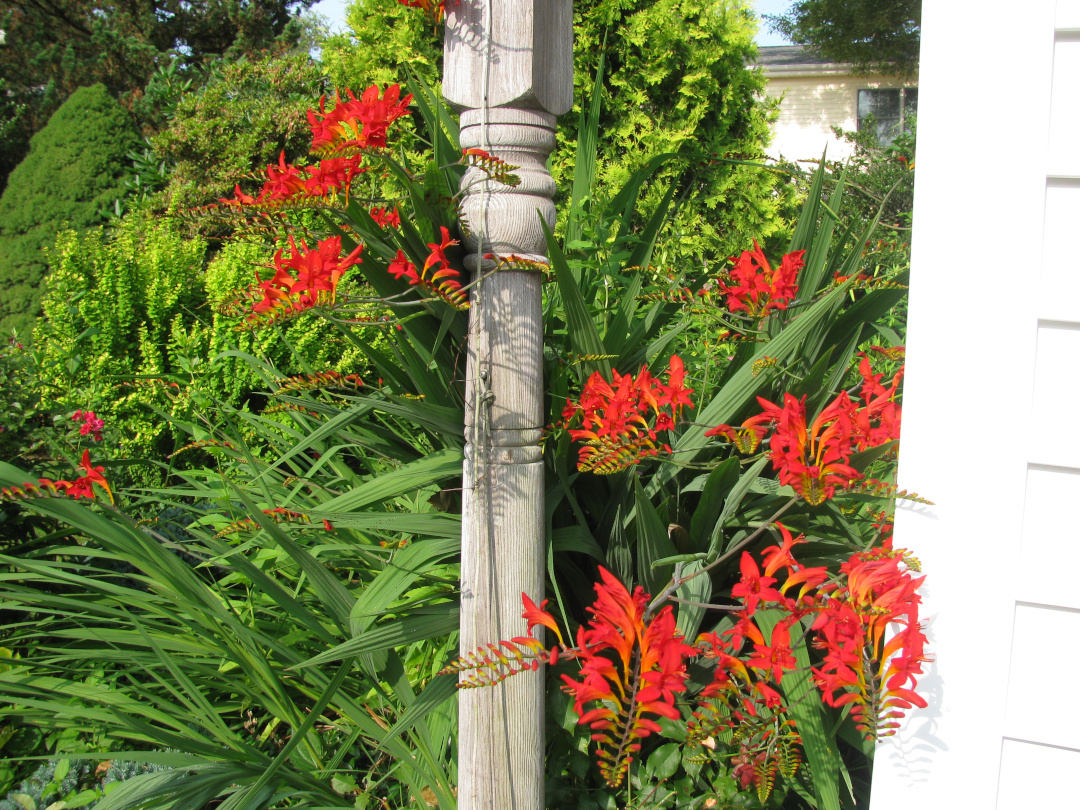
[[811, 105]]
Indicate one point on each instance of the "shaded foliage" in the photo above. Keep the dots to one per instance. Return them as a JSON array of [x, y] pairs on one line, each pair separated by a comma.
[[52, 47], [74, 170], [877, 36]]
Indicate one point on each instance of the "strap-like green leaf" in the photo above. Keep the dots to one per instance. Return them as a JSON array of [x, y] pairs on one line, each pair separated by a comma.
[[395, 634], [653, 543], [581, 329], [424, 472]]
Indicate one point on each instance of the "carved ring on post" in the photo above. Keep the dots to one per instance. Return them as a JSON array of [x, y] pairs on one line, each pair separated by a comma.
[[522, 138]]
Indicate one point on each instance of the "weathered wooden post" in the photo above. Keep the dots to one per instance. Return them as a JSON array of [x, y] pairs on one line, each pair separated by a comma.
[[509, 72]]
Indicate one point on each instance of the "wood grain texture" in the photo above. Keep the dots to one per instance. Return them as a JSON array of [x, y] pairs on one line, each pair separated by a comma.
[[532, 63], [509, 71], [501, 728]]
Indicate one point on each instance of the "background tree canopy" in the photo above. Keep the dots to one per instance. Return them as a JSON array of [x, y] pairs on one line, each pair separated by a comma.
[[877, 36], [52, 47]]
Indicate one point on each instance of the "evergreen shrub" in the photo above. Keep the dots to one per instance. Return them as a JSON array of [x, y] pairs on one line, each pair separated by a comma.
[[243, 117], [74, 170]]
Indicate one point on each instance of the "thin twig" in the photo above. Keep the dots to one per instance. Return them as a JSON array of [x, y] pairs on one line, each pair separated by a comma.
[[706, 605]]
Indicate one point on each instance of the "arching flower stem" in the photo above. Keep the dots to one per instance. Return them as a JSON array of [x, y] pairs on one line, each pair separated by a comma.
[[678, 581]]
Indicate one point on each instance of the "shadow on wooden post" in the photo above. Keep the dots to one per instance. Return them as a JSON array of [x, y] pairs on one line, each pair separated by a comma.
[[509, 72]]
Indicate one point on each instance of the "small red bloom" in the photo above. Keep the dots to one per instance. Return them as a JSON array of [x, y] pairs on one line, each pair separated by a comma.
[[755, 288], [436, 276], [537, 615], [386, 218], [91, 424], [753, 587]]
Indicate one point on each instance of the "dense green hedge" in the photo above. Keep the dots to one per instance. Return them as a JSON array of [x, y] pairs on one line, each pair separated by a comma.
[[73, 172], [129, 311]]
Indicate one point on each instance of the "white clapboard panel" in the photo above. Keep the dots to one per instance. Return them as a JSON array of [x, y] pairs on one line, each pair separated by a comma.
[[991, 412]]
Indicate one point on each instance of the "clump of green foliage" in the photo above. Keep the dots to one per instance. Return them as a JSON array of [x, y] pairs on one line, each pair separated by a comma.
[[74, 170], [240, 120], [677, 79], [112, 302], [132, 316], [883, 177]]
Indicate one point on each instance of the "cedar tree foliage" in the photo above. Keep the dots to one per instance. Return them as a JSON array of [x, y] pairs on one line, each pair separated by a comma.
[[877, 36], [676, 79], [74, 171]]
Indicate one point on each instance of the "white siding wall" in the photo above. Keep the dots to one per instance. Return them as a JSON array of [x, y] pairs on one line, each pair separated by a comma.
[[990, 419], [811, 106]]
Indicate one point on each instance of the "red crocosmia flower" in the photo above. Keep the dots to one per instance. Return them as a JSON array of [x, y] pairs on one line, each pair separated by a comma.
[[753, 587], [401, 267], [303, 279], [769, 696], [356, 123], [240, 199], [878, 420], [82, 487], [324, 129], [755, 288], [862, 666], [538, 616], [283, 182], [777, 557], [435, 9], [332, 174], [674, 394], [79, 488], [95, 474], [815, 460], [384, 218], [436, 276], [633, 668], [746, 438], [776, 656], [812, 460], [438, 251], [620, 419]]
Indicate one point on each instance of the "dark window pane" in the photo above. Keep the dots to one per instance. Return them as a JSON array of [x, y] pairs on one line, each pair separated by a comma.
[[882, 107], [881, 104], [911, 101]]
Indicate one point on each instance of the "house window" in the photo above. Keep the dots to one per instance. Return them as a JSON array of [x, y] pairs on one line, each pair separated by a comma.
[[885, 110]]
